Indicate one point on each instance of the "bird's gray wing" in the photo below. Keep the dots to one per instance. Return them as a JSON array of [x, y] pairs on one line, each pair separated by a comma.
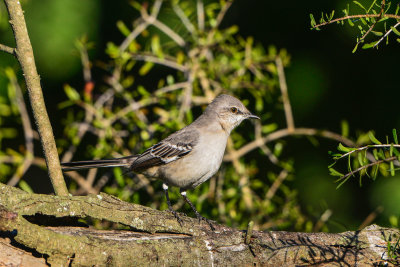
[[170, 149]]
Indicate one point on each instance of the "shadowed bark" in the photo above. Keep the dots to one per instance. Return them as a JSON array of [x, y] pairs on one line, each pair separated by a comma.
[[155, 237]]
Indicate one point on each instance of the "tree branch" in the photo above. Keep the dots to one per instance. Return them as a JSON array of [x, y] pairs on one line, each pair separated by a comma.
[[7, 49], [26, 59], [285, 96], [284, 133], [157, 238], [391, 16]]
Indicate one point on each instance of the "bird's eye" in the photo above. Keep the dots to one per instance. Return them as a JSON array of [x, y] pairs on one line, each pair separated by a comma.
[[234, 110]]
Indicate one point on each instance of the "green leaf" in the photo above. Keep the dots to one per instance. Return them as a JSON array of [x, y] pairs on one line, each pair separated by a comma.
[[369, 45], [334, 172], [25, 186], [355, 48], [395, 30], [391, 168], [373, 138], [313, 23], [156, 46], [71, 93], [377, 33], [395, 136], [343, 148], [375, 153], [342, 182], [123, 28], [146, 68], [345, 128], [360, 159], [359, 4]]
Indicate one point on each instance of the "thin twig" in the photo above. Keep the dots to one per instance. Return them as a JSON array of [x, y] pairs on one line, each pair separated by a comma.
[[82, 182], [367, 147], [322, 220], [371, 217], [200, 15], [87, 74], [264, 148], [376, 21], [187, 96], [28, 133], [168, 31], [161, 61], [387, 33], [142, 25], [391, 16], [285, 96], [344, 177], [185, 20], [222, 13], [132, 36], [277, 183], [7, 49], [284, 133], [170, 88], [131, 108], [152, 19]]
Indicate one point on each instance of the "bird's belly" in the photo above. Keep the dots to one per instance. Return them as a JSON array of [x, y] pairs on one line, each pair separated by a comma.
[[197, 167]]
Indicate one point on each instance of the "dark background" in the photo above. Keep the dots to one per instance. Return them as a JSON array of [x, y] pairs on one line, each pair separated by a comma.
[[327, 84]]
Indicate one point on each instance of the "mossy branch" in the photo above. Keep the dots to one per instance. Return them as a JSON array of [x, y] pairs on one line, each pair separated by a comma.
[[156, 237]]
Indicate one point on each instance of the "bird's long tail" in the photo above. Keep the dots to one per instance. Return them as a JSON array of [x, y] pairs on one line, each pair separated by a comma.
[[102, 163]]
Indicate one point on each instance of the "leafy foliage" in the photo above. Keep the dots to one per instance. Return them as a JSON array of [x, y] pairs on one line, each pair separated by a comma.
[[377, 19], [367, 160]]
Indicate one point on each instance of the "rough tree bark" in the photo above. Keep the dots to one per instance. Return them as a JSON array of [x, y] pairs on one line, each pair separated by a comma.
[[155, 237]]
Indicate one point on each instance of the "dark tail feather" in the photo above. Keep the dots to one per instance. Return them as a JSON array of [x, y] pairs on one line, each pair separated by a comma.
[[103, 163]]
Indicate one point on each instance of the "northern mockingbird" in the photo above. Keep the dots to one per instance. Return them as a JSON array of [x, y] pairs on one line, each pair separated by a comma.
[[188, 157]]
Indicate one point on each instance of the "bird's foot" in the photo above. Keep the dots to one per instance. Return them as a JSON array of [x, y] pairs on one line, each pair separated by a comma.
[[210, 222], [179, 219]]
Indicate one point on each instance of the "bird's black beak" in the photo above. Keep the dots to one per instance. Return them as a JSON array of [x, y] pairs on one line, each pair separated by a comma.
[[251, 116]]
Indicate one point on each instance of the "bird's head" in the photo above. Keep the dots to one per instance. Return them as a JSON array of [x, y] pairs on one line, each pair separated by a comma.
[[230, 111]]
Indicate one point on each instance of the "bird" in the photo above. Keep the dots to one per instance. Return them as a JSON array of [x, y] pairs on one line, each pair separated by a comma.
[[188, 157]]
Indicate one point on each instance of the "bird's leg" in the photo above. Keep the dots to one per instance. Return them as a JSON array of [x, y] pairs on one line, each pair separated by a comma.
[[165, 187], [183, 194]]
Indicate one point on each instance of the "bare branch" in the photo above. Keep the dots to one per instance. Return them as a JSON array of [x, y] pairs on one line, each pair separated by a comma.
[[345, 177], [161, 61], [391, 16], [277, 183], [284, 133], [367, 147], [7, 49], [285, 96], [222, 13], [171, 87], [28, 133], [142, 25], [200, 15], [186, 22], [387, 33], [132, 36]]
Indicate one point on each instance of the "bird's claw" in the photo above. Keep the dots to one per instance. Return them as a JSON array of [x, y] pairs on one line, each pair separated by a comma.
[[210, 222], [180, 221]]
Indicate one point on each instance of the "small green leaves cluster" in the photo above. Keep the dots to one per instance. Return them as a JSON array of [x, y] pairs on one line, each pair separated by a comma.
[[377, 19], [368, 160]]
